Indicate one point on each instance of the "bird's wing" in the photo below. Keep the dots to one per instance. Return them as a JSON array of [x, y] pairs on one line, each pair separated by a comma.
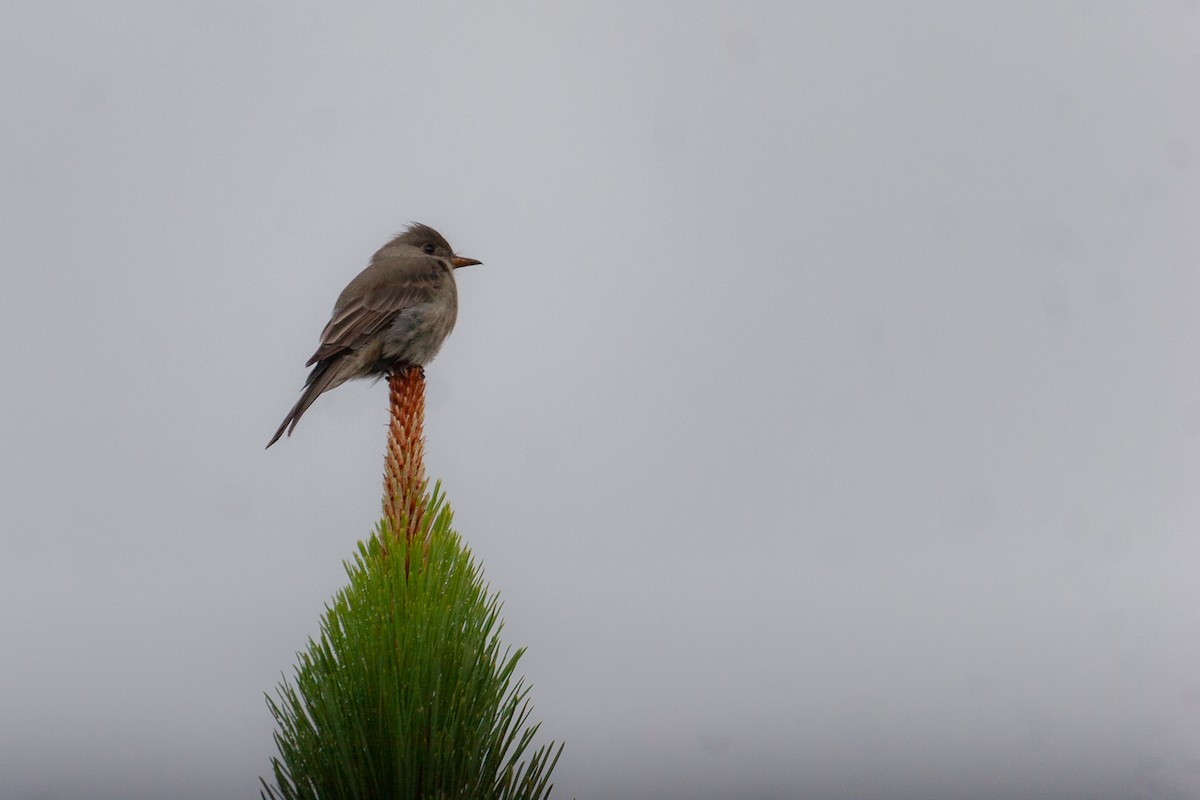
[[367, 314]]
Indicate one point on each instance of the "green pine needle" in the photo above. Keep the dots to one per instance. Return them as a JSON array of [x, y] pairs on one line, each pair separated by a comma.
[[407, 694]]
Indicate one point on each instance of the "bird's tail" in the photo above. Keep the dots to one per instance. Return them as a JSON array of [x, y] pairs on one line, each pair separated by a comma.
[[324, 376]]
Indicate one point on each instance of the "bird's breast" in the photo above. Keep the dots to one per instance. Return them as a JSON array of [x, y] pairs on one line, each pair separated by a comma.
[[416, 334]]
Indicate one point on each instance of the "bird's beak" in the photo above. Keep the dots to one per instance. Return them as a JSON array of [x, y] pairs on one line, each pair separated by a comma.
[[459, 261]]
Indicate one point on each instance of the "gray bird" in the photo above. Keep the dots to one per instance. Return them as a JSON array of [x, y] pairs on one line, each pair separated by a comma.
[[396, 313]]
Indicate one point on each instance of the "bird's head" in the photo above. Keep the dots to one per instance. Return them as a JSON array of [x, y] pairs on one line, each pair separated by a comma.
[[430, 241]]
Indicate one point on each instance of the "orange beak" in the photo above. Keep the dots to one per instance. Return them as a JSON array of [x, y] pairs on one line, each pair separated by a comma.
[[459, 261]]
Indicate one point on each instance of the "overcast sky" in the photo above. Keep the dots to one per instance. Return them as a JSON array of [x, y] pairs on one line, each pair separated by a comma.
[[826, 410]]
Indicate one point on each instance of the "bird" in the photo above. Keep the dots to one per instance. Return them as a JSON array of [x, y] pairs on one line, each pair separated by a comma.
[[395, 313]]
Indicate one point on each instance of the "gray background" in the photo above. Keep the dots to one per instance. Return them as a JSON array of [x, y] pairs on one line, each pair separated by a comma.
[[826, 411]]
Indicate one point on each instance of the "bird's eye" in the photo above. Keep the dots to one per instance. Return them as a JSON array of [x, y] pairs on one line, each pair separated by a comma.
[[428, 248]]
